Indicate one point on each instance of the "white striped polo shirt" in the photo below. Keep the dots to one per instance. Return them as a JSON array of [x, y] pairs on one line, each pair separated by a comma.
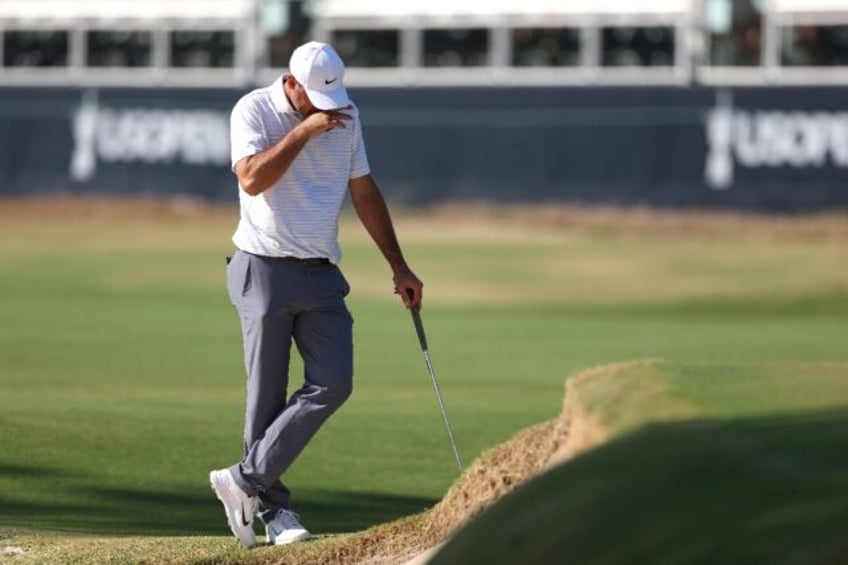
[[298, 215]]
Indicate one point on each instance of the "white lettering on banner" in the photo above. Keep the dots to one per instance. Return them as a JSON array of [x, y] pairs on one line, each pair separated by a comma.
[[754, 139], [145, 135]]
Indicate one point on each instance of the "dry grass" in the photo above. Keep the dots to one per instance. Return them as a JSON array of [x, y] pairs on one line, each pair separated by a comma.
[[566, 254], [824, 226], [493, 475], [480, 254], [95, 208], [475, 220]]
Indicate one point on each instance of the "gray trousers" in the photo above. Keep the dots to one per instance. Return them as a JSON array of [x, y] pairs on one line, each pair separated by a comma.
[[279, 302]]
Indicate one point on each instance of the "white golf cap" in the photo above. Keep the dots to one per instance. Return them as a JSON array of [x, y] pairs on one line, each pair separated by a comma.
[[319, 69]]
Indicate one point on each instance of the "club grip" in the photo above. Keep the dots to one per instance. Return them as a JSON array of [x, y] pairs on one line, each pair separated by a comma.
[[419, 328], [416, 319]]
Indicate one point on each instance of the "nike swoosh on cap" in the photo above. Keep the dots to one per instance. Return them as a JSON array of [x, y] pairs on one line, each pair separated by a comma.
[[330, 81]]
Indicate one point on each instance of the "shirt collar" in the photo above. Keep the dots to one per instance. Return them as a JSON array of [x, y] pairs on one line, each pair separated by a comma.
[[278, 95]]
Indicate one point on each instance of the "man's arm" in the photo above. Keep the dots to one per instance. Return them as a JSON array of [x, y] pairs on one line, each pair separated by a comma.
[[257, 173], [372, 211]]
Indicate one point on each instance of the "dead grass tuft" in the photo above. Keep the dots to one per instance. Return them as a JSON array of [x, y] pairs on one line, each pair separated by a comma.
[[493, 475]]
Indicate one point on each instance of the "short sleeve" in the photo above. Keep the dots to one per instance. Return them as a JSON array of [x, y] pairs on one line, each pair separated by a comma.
[[247, 133], [358, 159]]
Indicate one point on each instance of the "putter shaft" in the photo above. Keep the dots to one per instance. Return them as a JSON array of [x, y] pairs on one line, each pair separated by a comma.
[[422, 339]]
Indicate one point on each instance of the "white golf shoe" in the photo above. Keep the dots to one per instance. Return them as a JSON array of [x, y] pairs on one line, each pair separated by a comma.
[[239, 506], [285, 528]]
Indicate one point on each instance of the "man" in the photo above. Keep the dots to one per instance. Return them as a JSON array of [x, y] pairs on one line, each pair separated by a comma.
[[297, 150]]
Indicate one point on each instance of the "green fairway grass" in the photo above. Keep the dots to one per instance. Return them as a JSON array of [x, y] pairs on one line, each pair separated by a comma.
[[122, 379], [707, 463]]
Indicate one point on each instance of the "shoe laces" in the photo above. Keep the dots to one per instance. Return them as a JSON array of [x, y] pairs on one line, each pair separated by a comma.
[[288, 519]]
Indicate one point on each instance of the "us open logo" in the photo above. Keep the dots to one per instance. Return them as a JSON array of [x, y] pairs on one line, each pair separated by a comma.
[[768, 138], [144, 136]]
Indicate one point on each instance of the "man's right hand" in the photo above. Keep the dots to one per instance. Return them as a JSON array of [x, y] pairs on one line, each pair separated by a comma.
[[325, 120]]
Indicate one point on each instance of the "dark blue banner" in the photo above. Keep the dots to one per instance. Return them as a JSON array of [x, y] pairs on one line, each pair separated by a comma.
[[783, 149]]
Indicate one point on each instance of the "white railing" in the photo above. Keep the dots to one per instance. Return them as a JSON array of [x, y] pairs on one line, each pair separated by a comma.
[[250, 51]]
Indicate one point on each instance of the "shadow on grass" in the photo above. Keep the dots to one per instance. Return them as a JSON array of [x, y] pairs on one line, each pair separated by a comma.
[[766, 490], [18, 471], [123, 511]]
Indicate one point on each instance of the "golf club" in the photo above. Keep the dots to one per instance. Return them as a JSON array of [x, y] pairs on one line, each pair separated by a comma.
[[422, 339]]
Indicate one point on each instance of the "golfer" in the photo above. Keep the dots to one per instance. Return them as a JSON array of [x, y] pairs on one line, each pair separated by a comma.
[[297, 150]]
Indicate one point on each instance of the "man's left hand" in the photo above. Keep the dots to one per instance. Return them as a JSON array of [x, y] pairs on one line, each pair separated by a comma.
[[409, 287]]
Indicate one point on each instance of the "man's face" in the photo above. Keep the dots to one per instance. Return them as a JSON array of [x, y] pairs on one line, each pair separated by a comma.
[[298, 97]]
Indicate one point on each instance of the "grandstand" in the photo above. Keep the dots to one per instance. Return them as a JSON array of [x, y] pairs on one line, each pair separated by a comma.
[[235, 43]]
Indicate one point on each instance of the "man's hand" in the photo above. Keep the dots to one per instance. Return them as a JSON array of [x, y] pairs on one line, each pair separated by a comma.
[[409, 287], [325, 120]]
